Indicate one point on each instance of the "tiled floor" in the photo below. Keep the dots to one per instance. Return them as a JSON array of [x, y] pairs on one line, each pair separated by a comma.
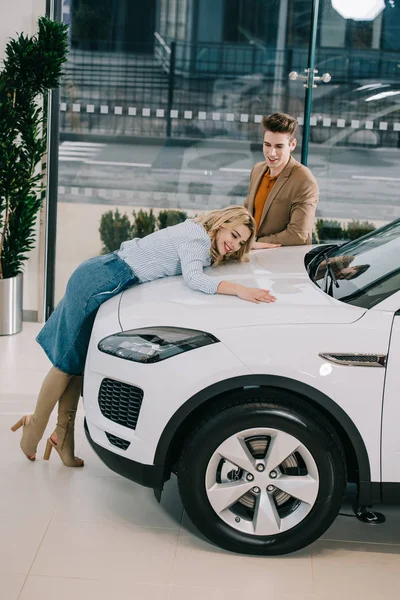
[[88, 534]]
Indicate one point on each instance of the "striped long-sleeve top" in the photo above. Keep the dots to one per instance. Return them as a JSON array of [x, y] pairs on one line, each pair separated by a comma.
[[182, 249]]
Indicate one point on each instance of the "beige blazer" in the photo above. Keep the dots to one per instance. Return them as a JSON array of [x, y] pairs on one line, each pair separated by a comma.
[[289, 212]]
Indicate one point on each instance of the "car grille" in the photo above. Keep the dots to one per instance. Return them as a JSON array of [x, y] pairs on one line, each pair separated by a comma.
[[120, 402], [118, 442]]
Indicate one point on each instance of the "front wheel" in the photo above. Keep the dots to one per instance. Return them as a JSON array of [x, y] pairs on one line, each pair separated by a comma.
[[264, 475]]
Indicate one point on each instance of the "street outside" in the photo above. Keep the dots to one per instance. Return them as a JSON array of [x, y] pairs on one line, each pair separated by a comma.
[[355, 183], [108, 161]]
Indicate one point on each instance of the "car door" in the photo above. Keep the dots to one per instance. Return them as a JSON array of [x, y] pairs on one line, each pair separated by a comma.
[[391, 418]]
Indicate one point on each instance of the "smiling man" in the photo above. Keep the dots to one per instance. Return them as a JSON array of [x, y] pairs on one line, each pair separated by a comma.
[[283, 194]]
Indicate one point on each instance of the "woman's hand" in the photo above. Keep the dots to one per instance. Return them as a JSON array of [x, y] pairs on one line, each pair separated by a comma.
[[255, 295], [264, 246]]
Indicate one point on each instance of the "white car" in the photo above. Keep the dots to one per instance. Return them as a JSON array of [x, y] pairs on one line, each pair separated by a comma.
[[264, 412]]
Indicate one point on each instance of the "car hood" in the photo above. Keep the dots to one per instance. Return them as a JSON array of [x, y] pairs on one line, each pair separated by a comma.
[[170, 301]]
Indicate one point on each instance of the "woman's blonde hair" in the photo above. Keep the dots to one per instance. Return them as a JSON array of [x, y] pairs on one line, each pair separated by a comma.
[[229, 218]]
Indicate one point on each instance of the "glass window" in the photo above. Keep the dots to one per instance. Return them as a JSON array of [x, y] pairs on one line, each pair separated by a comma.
[[299, 23], [146, 129], [171, 18], [355, 124], [250, 20], [181, 26], [391, 27], [332, 28], [232, 20], [162, 17], [360, 34], [337, 32], [91, 21]]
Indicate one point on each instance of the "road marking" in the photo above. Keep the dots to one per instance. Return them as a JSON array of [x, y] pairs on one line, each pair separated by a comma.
[[79, 153], [85, 161], [90, 144], [231, 170], [116, 164], [377, 178], [70, 159]]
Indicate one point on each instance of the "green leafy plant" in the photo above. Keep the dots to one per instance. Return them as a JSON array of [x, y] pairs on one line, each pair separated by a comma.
[[356, 229], [32, 67], [167, 218], [114, 229], [328, 229], [144, 223]]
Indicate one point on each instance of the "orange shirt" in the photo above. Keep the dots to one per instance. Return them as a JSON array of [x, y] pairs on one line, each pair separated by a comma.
[[266, 185]]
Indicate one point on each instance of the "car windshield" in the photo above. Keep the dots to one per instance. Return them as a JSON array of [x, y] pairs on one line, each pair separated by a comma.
[[362, 272]]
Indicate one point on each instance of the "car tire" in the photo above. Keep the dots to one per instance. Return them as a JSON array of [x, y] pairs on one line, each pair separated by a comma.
[[249, 433]]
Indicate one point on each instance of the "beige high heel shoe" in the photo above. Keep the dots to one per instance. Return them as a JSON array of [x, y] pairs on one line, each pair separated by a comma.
[[30, 436], [64, 443], [53, 389], [65, 451]]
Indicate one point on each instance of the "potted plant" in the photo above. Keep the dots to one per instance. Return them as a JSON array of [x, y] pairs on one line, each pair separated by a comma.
[[167, 218], [356, 229], [144, 223], [329, 230], [32, 67], [114, 229]]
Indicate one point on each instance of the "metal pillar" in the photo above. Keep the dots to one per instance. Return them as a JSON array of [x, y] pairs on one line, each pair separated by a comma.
[[310, 80], [53, 11]]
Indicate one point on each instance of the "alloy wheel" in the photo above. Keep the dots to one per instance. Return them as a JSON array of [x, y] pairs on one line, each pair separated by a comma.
[[262, 481]]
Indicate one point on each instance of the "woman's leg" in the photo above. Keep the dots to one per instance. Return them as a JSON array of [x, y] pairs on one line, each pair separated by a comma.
[[63, 437], [53, 387]]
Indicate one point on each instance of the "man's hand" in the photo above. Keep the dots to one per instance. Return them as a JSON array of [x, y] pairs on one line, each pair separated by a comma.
[[255, 295], [264, 246]]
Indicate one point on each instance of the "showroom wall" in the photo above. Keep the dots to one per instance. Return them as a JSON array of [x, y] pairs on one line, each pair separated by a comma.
[[21, 16]]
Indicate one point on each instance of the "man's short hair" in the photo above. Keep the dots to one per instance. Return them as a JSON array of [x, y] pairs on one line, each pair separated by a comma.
[[280, 123]]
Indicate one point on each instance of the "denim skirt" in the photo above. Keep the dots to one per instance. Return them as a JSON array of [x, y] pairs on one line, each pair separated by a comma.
[[65, 336]]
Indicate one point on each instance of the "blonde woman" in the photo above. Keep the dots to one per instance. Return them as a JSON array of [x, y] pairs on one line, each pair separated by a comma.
[[220, 236]]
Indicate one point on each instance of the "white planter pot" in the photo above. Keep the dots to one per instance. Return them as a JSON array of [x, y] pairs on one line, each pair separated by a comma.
[[11, 305]]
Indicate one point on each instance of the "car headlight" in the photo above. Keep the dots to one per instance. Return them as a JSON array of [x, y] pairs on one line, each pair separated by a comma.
[[153, 344]]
